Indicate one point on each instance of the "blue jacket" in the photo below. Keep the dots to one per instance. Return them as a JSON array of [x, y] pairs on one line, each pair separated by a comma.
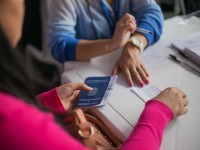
[[73, 20]]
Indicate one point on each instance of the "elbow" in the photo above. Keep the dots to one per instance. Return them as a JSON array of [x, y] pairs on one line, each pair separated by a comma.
[[58, 57], [57, 52], [62, 47], [62, 52], [157, 27], [157, 36], [158, 32]]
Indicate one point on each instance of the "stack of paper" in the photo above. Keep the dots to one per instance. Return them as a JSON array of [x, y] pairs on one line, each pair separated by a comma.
[[190, 47]]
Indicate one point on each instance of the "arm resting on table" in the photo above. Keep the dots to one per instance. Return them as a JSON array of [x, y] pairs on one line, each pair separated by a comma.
[[148, 132]]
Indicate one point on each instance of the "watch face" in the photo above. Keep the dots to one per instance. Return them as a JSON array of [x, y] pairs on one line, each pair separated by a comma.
[[136, 41]]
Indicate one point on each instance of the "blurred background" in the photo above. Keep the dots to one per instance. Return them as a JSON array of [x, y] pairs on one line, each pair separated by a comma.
[[172, 8]]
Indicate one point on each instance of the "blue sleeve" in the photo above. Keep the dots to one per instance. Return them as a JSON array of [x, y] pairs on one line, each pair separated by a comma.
[[149, 16], [61, 27], [63, 47]]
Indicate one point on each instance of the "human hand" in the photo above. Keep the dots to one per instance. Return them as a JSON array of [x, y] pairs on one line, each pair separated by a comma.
[[124, 28], [69, 92], [175, 99], [131, 65]]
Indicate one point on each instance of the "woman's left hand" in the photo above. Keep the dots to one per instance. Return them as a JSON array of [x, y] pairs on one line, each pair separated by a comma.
[[69, 92], [131, 65]]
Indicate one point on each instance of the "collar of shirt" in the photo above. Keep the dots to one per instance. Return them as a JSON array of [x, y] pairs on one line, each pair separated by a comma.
[[111, 15]]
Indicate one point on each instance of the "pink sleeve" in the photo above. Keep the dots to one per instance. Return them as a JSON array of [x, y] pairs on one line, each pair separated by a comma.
[[148, 132], [25, 127], [51, 100]]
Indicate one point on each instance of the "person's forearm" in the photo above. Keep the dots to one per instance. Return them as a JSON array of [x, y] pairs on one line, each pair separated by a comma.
[[87, 49], [51, 101], [148, 132]]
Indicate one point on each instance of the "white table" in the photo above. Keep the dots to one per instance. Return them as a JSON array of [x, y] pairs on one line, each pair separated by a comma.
[[124, 107]]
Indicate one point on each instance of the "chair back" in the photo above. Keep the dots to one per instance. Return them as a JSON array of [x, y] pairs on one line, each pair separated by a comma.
[[190, 6]]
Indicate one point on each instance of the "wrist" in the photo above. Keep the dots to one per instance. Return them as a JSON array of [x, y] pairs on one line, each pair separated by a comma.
[[136, 41], [113, 45], [132, 48], [162, 108]]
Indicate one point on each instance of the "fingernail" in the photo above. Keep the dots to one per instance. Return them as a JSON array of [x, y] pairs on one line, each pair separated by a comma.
[[147, 81], [141, 84], [131, 84], [147, 75]]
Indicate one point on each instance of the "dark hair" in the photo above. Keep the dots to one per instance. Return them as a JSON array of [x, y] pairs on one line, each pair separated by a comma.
[[14, 77]]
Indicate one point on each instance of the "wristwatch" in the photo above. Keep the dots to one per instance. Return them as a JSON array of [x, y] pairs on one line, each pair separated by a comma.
[[136, 41]]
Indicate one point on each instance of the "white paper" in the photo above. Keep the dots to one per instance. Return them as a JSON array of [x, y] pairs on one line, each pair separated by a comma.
[[187, 42], [194, 54], [153, 57], [147, 92], [190, 46]]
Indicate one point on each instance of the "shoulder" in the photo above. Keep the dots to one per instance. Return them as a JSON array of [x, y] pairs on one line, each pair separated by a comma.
[[9, 102], [14, 110], [22, 124]]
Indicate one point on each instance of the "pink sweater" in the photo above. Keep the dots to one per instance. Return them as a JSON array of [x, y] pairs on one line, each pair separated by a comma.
[[25, 127]]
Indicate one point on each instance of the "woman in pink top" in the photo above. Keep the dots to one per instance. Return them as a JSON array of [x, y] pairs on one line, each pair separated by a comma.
[[25, 125]]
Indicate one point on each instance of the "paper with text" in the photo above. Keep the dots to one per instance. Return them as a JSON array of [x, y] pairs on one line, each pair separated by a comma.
[[147, 92], [153, 57]]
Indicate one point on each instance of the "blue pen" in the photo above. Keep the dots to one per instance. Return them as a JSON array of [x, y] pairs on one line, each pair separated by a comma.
[[184, 63]]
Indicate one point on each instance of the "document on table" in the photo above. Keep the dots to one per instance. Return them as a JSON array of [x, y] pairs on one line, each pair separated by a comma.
[[102, 88], [153, 57], [147, 92], [190, 46]]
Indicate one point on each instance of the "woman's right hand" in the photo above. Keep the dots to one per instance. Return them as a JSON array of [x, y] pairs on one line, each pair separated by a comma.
[[124, 28], [68, 93], [175, 99]]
